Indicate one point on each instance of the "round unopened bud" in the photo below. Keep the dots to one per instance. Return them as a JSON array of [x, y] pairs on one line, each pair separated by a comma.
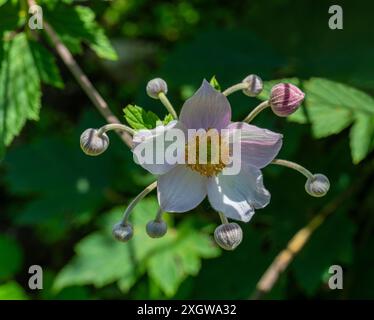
[[228, 235], [123, 231], [318, 185], [92, 144], [255, 85], [285, 99], [156, 229], [156, 86]]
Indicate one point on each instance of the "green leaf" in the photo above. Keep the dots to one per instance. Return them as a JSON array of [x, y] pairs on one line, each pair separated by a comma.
[[167, 119], [168, 260], [182, 248], [330, 106], [99, 260], [46, 65], [75, 24], [11, 257], [169, 268], [361, 137], [334, 106], [214, 83], [12, 291], [69, 293], [163, 269], [138, 118], [19, 89]]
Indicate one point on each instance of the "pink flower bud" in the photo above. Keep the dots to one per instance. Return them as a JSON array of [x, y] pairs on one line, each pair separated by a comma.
[[285, 98]]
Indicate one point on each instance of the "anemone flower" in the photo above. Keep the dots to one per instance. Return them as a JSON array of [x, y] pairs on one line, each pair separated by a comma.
[[183, 186]]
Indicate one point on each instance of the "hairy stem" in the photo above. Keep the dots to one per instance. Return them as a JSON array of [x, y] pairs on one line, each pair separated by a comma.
[[293, 165], [262, 106], [115, 126], [165, 101], [234, 88], [136, 200], [159, 215], [223, 218]]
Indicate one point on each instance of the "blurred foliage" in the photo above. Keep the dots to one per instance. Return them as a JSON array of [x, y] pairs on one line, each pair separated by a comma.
[[58, 206], [167, 261], [77, 24]]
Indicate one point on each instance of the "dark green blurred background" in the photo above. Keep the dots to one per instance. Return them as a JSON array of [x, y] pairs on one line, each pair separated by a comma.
[[57, 206]]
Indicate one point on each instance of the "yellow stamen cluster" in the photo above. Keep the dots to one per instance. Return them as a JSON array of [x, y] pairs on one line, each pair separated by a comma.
[[207, 153]]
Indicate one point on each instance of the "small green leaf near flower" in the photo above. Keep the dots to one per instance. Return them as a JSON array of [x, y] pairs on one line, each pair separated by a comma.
[[167, 119], [138, 118], [214, 83], [167, 261]]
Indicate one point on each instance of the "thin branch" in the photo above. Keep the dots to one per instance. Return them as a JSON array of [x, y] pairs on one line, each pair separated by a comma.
[[136, 200], [82, 79], [295, 166], [298, 241], [294, 246], [261, 107]]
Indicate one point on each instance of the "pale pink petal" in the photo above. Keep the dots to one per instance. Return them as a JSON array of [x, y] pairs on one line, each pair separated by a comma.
[[149, 147], [258, 146], [206, 109], [181, 189], [236, 196]]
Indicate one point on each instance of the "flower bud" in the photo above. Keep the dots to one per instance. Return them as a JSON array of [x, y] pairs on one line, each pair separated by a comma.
[[255, 85], [92, 144], [318, 185], [156, 86], [123, 231], [285, 98], [228, 235], [156, 229]]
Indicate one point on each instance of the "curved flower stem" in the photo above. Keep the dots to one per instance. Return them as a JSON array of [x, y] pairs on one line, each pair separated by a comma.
[[223, 218], [234, 88], [262, 106], [82, 79], [165, 101], [293, 165], [159, 215], [134, 202], [115, 126]]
